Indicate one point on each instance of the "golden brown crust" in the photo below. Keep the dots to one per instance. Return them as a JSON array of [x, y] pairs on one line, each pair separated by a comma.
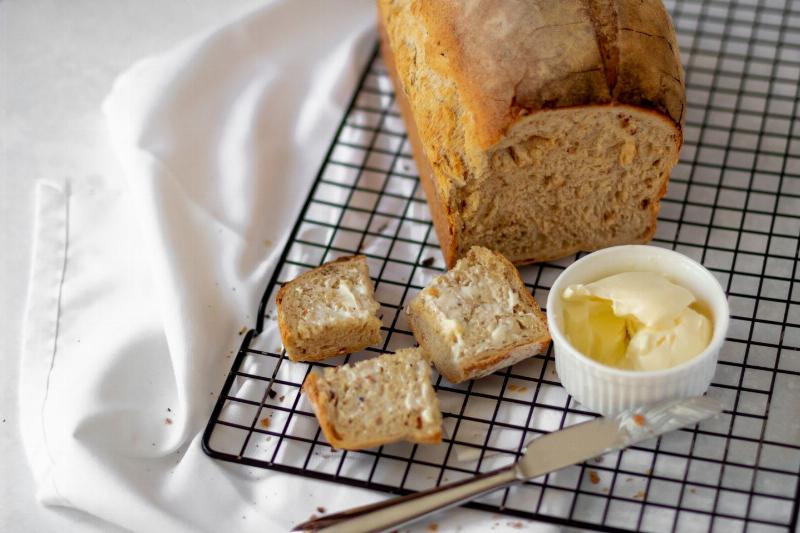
[[511, 58], [489, 363], [283, 328], [443, 222], [311, 389], [650, 72]]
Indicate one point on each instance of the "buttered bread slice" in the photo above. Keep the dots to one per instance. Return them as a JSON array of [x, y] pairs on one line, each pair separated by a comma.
[[329, 311], [377, 401], [478, 317]]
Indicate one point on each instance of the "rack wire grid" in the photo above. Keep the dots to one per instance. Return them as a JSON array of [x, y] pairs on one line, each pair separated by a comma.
[[733, 204]]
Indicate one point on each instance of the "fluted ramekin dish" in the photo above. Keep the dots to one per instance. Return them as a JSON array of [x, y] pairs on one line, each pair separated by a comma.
[[607, 390]]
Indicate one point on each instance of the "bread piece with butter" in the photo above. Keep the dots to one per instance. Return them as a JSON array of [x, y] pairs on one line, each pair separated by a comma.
[[377, 401], [329, 311], [539, 128], [478, 317]]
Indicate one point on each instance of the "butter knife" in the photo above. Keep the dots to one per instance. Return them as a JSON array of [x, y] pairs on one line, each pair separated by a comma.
[[541, 456]]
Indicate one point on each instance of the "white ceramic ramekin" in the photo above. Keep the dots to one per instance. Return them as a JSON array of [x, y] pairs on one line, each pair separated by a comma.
[[608, 390]]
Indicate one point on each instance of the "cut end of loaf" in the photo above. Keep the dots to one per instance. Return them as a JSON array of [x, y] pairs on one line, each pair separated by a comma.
[[569, 180], [329, 311], [381, 400], [478, 317]]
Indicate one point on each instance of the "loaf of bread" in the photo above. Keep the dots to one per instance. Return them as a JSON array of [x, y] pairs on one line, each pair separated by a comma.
[[539, 128], [477, 318], [329, 311], [377, 401]]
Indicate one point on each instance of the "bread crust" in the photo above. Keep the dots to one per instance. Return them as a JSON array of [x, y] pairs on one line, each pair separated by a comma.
[[511, 58], [443, 220], [311, 390], [502, 359]]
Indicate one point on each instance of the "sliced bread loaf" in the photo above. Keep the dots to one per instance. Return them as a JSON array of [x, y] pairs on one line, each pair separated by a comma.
[[478, 317], [329, 311], [377, 401]]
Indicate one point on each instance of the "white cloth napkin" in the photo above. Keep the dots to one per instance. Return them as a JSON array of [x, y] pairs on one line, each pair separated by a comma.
[[139, 286]]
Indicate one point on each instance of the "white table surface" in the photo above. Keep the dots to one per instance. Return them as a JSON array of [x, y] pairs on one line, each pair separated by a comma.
[[57, 62]]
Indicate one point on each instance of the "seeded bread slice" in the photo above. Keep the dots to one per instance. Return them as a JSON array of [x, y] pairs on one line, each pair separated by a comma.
[[478, 317], [377, 401], [329, 311]]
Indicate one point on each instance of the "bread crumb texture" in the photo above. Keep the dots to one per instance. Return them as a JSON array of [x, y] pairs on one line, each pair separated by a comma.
[[329, 311], [380, 400], [478, 317]]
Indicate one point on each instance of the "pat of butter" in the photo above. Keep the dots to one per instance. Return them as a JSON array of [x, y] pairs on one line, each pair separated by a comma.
[[647, 296], [346, 294], [635, 320]]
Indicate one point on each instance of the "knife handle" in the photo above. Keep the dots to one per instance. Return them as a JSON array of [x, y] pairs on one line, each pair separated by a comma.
[[398, 511]]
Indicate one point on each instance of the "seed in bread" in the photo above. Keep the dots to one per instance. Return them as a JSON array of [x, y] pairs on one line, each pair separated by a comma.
[[539, 128], [329, 311], [478, 317], [377, 401]]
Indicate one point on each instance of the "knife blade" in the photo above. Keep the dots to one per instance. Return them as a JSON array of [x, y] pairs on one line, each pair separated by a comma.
[[545, 454], [583, 441]]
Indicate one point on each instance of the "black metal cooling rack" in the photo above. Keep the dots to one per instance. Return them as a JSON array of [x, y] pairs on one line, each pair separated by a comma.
[[733, 204]]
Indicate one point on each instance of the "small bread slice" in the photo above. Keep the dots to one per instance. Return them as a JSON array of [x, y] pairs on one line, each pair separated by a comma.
[[377, 401], [329, 311], [478, 317]]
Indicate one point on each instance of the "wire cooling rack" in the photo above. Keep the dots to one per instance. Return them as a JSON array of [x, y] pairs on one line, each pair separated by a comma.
[[733, 204]]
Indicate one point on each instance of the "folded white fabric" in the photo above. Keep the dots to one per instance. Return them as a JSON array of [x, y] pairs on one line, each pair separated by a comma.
[[138, 289], [140, 285]]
